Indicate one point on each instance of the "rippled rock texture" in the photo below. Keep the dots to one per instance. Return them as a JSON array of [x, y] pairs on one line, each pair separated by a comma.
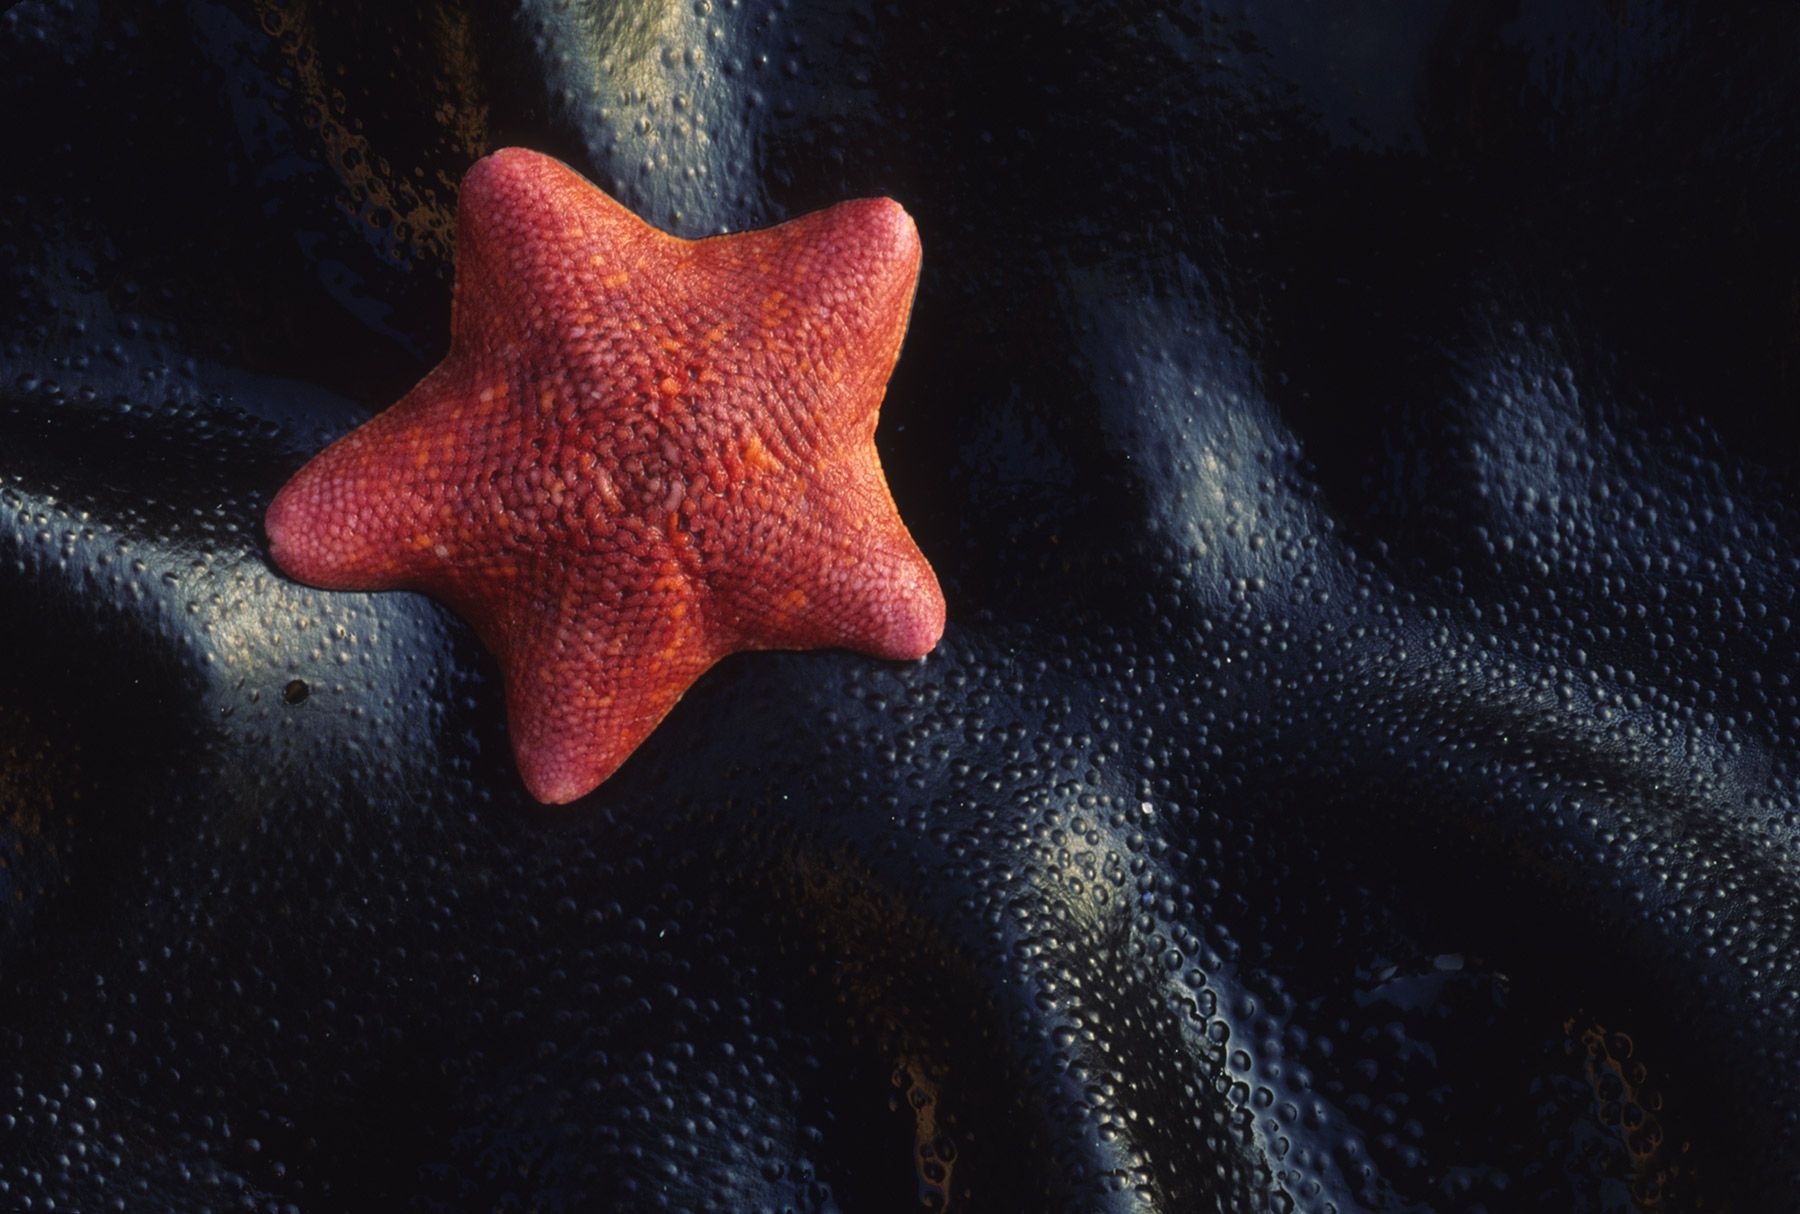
[[1360, 772]]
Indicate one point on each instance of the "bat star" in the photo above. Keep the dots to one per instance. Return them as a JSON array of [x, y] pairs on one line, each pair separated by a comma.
[[640, 454]]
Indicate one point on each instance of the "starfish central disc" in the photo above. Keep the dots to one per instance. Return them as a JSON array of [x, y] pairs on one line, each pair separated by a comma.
[[641, 454]]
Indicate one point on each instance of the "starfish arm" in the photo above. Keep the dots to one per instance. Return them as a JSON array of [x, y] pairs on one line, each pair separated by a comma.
[[587, 680], [359, 515], [829, 292], [839, 571], [880, 598], [538, 249]]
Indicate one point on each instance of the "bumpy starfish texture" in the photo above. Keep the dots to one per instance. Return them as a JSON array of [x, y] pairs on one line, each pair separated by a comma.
[[641, 454]]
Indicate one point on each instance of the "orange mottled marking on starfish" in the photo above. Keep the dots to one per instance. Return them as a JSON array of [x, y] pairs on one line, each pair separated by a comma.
[[640, 454]]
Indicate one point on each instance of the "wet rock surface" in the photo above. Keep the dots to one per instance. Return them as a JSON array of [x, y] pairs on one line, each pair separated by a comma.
[[1360, 771]]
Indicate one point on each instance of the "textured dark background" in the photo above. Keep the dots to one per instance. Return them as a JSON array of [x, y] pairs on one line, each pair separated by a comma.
[[1360, 773]]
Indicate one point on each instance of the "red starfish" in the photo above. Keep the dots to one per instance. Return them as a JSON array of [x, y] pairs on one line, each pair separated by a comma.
[[640, 454]]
